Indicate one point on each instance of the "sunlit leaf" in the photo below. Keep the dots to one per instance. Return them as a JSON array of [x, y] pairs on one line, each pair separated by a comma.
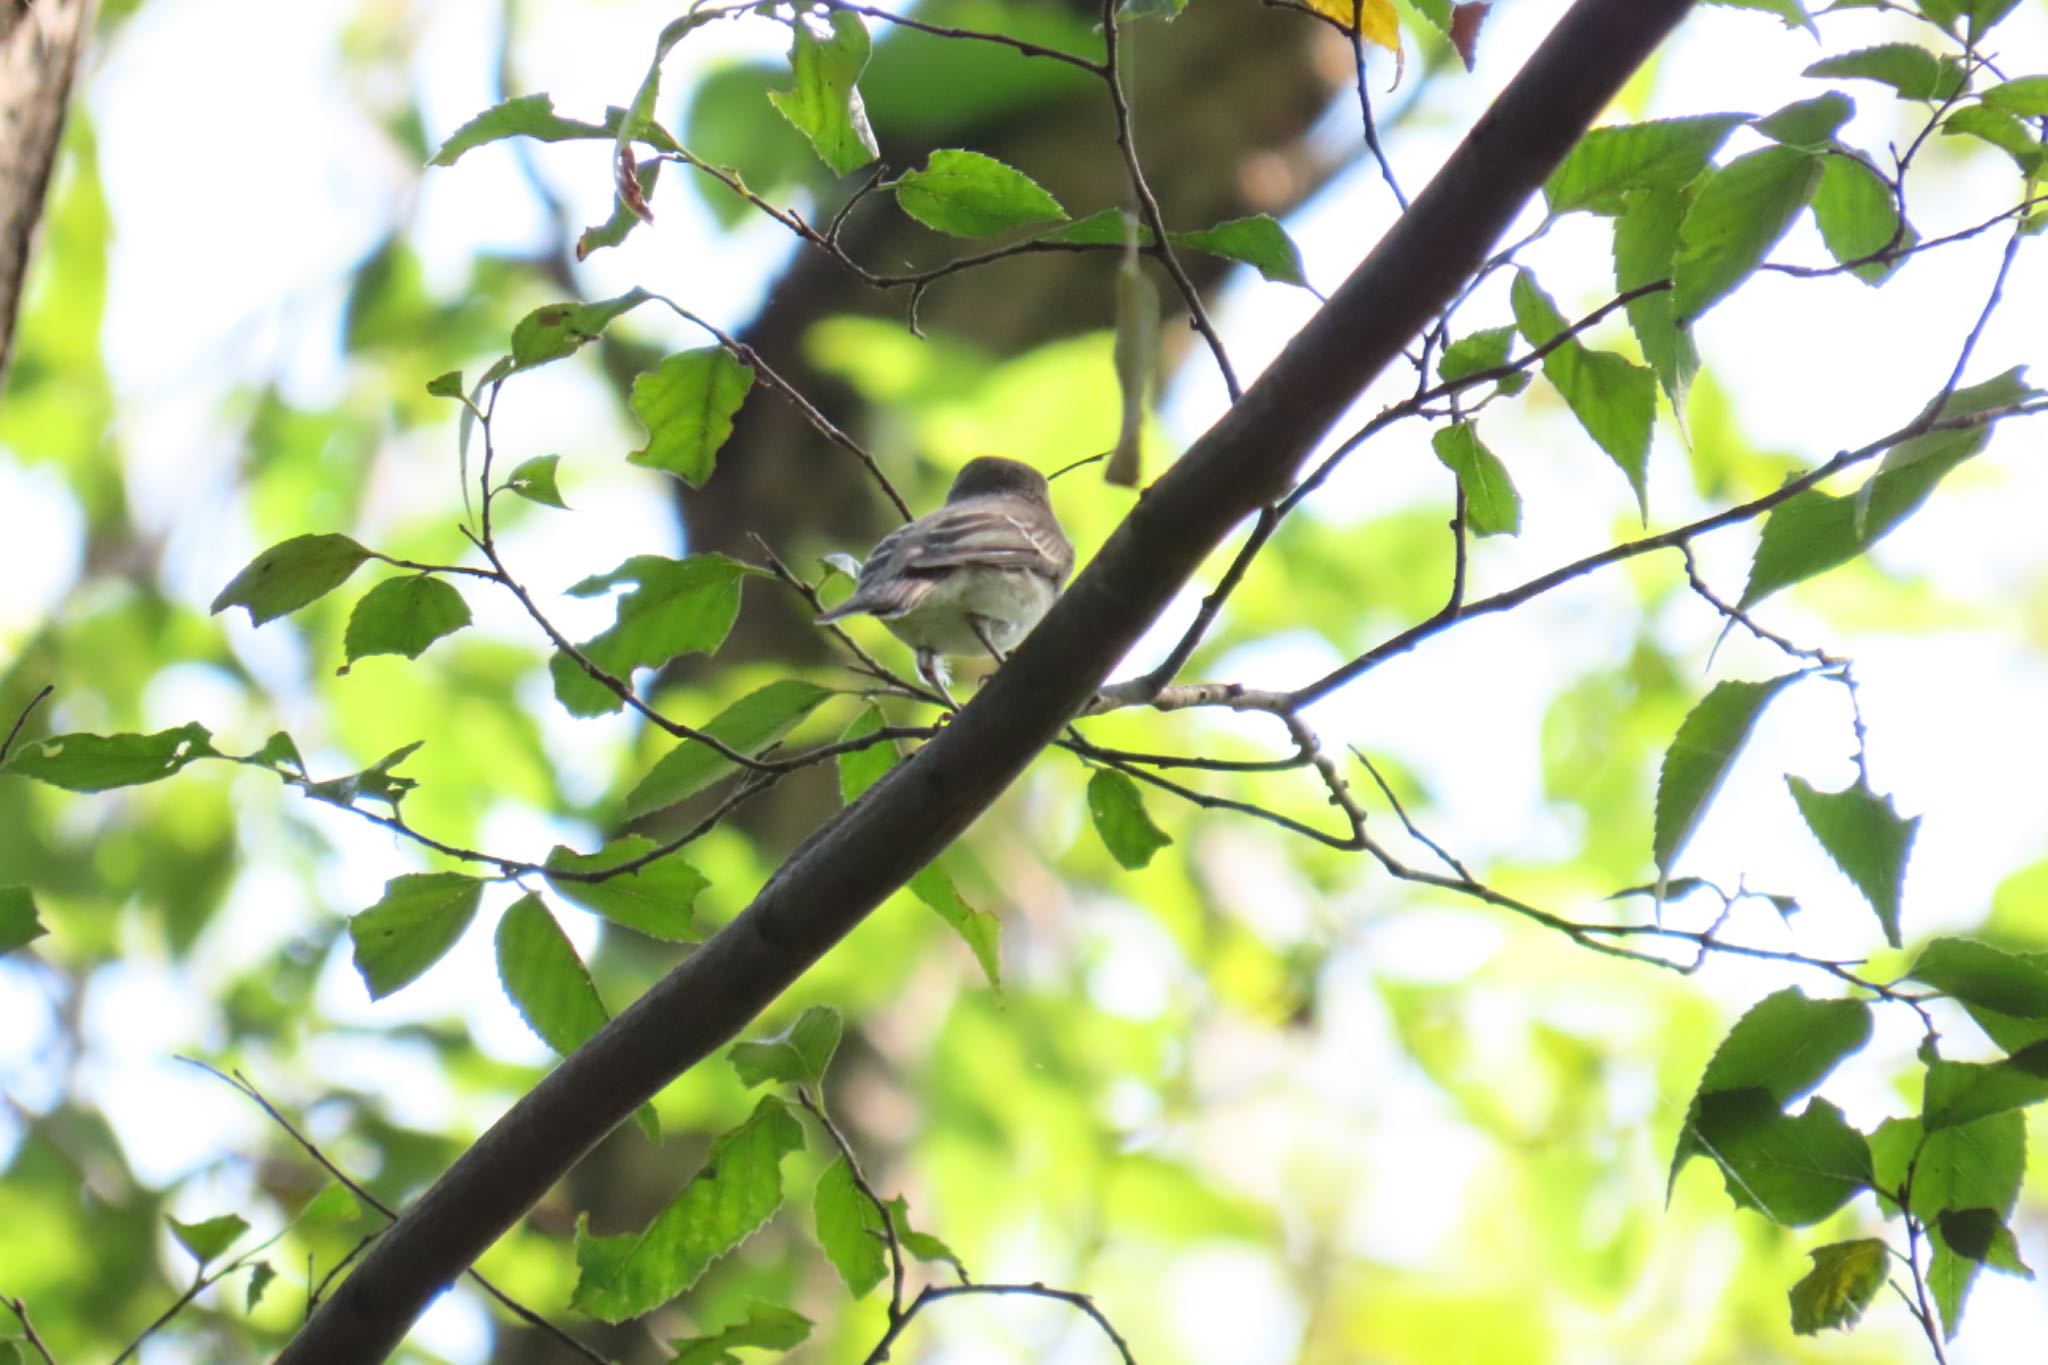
[[796, 1056], [981, 930], [1810, 123], [1857, 215], [404, 616], [1793, 1169], [1866, 838], [1979, 974], [1911, 70], [2026, 96], [687, 405], [412, 927], [850, 1229], [748, 726], [738, 1189], [97, 763], [291, 574], [1845, 1278], [531, 116], [1658, 154], [2002, 130], [1492, 507], [546, 980], [1375, 20], [1118, 809], [1700, 757], [208, 1239], [677, 606], [1963, 1092], [922, 1245], [966, 194], [1258, 241], [1645, 244], [766, 1325], [260, 1276], [824, 103], [656, 900], [1738, 214], [19, 924], [534, 480], [860, 769], [1614, 399], [555, 330]]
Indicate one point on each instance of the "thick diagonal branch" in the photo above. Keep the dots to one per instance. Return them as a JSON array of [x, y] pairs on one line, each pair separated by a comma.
[[39, 46], [836, 877]]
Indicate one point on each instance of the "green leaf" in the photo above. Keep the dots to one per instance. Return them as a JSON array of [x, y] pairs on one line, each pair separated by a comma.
[[545, 979], [2027, 96], [748, 726], [768, 1326], [677, 606], [1103, 228], [656, 900], [850, 1229], [335, 1206], [1738, 214], [1793, 1170], [1785, 1045], [1614, 399], [19, 925], [1979, 974], [408, 931], [1984, 15], [1118, 809], [1858, 215], [404, 616], [981, 930], [291, 574], [1963, 1092], [376, 781], [1911, 70], [1791, 11], [97, 763], [447, 385], [796, 1056], [1866, 838], [966, 194], [860, 769], [1999, 128], [534, 480], [531, 116], [1482, 350], [1981, 1235], [1659, 154], [687, 405], [1258, 241], [206, 1240], [738, 1189], [1979, 1164], [1845, 1278], [824, 103], [922, 1245], [1492, 507], [260, 1276], [1811, 124], [625, 215], [555, 330], [1699, 758], [1645, 244]]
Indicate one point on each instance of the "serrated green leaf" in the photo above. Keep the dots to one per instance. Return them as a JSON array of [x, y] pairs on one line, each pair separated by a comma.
[[687, 404], [1482, 350], [1645, 244], [766, 1325], [545, 979], [1857, 215], [1700, 756], [824, 103], [1258, 241], [1614, 399], [1963, 1092], [291, 574], [207, 1239], [1979, 1164], [981, 930], [1785, 1045], [1658, 154], [1118, 810], [1791, 11], [97, 763], [1979, 974], [404, 616], [798, 1055], [1866, 838], [966, 194], [748, 726], [1984, 15], [417, 921], [1845, 1278], [19, 924], [1492, 507], [1794, 1170], [1911, 70], [1981, 1235], [1810, 123], [677, 606], [531, 116], [2026, 96], [555, 330], [860, 769], [1738, 213], [657, 900], [534, 480], [922, 1245], [1999, 128], [850, 1229], [738, 1190]]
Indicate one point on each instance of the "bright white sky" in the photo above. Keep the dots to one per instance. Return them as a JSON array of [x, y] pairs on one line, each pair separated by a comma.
[[229, 265]]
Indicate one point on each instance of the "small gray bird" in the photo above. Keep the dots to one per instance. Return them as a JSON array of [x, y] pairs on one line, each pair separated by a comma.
[[973, 576]]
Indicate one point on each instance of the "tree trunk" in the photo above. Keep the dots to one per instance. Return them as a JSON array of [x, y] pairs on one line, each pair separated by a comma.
[[39, 44]]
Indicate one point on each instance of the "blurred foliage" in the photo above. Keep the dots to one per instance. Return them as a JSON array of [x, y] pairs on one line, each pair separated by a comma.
[[1251, 1082]]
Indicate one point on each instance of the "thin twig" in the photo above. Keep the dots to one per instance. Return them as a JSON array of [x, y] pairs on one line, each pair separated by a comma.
[[7, 744]]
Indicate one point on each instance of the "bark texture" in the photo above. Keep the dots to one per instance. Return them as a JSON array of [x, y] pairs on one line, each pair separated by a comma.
[[39, 45], [837, 876]]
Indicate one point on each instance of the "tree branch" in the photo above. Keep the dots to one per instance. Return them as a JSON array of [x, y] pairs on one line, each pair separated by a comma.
[[844, 870]]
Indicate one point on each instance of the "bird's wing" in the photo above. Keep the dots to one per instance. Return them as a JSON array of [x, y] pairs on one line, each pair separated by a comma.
[[975, 533]]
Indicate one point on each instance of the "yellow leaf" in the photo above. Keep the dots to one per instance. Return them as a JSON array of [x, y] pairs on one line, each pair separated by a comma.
[[1376, 20]]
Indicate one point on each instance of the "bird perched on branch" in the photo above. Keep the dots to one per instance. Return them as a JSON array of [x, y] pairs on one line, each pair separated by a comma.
[[973, 577]]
